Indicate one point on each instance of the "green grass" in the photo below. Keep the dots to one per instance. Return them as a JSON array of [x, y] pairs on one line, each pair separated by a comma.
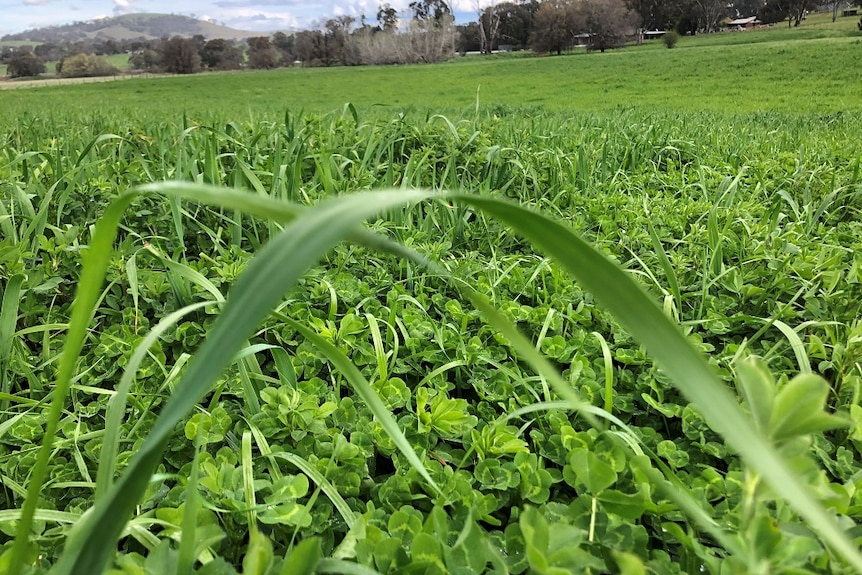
[[775, 75], [627, 334]]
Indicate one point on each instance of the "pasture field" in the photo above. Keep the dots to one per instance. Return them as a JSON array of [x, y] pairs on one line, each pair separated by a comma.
[[602, 318], [817, 75]]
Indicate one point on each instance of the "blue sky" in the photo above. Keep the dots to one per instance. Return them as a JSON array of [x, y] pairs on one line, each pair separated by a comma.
[[262, 15]]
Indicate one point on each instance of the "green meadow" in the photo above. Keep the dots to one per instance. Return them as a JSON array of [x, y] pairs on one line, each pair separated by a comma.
[[596, 313], [713, 73]]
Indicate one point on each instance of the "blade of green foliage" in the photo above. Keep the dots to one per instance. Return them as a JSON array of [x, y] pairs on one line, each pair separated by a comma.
[[304, 558], [757, 387], [258, 555], [264, 448], [344, 567], [192, 275], [669, 273], [275, 268], [609, 372], [796, 344], [186, 552], [41, 515], [248, 481], [687, 368], [331, 492], [8, 319]]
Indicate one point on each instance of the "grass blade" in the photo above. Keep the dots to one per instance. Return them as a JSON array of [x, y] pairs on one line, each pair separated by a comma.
[[328, 489], [8, 320], [796, 344]]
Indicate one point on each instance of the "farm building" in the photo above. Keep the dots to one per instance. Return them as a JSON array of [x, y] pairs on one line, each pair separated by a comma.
[[744, 23]]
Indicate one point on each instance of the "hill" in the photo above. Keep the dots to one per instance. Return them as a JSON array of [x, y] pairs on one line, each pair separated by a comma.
[[127, 26]]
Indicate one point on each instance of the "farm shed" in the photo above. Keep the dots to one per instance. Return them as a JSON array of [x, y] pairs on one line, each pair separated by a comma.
[[744, 23]]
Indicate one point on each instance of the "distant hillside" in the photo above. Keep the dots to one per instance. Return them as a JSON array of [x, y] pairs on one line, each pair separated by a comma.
[[128, 26]]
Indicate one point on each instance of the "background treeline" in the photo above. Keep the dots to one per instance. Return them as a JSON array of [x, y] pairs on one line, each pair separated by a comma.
[[426, 32]]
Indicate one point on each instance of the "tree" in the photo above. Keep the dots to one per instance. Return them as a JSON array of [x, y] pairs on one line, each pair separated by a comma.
[[106, 48], [6, 53], [179, 56], [24, 64], [146, 59], [839, 3], [467, 38], [554, 26], [489, 26], [285, 45], [516, 22], [791, 10], [745, 8], [431, 38], [387, 18], [335, 45], [309, 47], [658, 14], [219, 54], [262, 55], [199, 41], [608, 22], [436, 11], [797, 11], [50, 51], [710, 13], [670, 38]]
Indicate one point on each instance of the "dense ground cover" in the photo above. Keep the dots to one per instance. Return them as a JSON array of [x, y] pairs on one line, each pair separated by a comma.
[[740, 220]]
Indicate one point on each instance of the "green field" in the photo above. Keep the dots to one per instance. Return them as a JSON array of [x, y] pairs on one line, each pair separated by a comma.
[[603, 317], [789, 76]]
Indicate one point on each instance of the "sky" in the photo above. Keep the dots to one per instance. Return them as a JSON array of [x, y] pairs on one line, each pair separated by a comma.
[[259, 15]]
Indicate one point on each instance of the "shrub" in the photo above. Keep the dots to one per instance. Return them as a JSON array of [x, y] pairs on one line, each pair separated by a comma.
[[86, 66], [179, 56], [25, 64], [670, 38]]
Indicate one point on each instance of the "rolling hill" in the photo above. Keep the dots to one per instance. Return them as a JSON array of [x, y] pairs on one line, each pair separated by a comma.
[[128, 26]]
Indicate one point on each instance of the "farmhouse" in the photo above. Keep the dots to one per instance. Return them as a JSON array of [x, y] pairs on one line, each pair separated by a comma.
[[744, 23]]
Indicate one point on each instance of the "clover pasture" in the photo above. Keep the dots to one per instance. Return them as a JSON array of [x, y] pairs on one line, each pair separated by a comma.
[[586, 342]]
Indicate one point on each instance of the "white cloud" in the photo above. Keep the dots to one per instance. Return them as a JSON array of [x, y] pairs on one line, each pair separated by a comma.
[[245, 19]]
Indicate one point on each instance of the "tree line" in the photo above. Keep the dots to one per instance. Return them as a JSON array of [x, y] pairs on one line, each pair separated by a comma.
[[425, 33]]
